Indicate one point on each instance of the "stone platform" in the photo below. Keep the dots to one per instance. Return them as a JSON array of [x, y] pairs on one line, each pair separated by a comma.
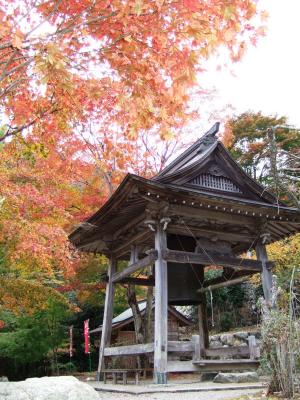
[[175, 386]]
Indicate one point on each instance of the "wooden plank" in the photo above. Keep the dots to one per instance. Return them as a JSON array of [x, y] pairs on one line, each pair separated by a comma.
[[108, 314], [225, 261], [175, 346], [161, 309], [131, 350], [227, 283], [228, 351], [142, 263], [181, 366], [266, 275]]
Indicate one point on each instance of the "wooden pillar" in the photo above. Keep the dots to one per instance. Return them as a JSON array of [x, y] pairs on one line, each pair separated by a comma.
[[203, 326], [161, 309], [266, 275], [202, 317], [252, 347], [197, 350], [134, 255], [108, 315]]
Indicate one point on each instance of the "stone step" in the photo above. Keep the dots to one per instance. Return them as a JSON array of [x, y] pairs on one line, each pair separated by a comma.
[[237, 377], [226, 365]]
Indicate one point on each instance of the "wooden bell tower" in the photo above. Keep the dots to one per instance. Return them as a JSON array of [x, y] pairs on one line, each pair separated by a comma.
[[201, 210]]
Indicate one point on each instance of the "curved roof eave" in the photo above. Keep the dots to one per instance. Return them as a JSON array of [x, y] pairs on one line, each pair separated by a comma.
[[102, 210]]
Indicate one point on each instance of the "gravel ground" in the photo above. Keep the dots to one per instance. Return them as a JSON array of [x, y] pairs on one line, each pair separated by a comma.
[[246, 394]]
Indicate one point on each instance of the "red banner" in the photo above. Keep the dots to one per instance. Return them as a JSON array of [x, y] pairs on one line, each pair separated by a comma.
[[86, 333], [71, 341]]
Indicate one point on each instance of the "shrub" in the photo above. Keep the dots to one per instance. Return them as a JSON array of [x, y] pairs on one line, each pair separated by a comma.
[[226, 321]]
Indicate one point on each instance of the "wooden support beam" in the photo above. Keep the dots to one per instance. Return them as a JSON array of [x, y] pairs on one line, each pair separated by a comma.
[[176, 347], [206, 232], [266, 275], [107, 317], [225, 261], [142, 263], [227, 283], [136, 349], [206, 214], [225, 278], [131, 350], [137, 281], [161, 309]]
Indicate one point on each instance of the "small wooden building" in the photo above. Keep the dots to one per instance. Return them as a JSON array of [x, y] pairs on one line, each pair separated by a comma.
[[123, 332], [201, 210]]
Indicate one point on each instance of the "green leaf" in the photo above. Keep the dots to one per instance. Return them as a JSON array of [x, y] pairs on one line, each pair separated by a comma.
[[228, 12], [138, 7]]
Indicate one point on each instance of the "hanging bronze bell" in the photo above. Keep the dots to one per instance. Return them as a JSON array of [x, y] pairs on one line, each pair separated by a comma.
[[183, 279]]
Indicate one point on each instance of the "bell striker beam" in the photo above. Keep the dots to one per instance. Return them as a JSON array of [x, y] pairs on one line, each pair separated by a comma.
[[108, 314], [266, 274], [161, 308]]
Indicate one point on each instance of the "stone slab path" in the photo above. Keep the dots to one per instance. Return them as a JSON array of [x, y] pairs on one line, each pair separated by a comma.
[[245, 394]]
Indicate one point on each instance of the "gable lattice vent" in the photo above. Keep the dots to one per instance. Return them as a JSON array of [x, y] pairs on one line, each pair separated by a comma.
[[215, 182]]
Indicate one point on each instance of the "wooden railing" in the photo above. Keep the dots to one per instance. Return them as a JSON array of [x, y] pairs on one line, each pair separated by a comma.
[[251, 351]]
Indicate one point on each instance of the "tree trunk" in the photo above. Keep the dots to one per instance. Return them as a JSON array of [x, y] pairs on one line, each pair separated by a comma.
[[148, 314], [137, 319]]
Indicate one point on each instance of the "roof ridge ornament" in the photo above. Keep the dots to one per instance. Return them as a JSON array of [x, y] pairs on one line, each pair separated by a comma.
[[212, 131], [201, 144], [209, 137]]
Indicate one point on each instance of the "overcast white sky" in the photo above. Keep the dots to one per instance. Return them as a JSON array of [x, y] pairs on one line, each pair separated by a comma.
[[267, 78]]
